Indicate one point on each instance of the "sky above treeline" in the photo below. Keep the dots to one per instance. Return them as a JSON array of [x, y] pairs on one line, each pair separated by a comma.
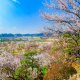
[[21, 16]]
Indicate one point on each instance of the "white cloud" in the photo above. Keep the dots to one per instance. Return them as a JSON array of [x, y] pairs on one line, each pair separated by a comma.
[[16, 1]]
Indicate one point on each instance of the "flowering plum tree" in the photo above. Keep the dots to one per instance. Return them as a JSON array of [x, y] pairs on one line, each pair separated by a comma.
[[66, 13]]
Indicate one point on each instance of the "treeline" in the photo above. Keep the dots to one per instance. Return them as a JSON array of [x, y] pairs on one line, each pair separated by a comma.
[[21, 35]]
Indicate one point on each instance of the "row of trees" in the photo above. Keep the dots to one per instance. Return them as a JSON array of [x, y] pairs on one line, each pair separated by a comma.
[[20, 35]]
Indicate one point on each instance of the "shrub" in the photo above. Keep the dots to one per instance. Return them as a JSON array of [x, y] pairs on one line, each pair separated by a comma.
[[28, 67], [59, 71]]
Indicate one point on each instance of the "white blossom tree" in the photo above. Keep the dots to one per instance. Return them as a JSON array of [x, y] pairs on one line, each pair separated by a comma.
[[65, 14]]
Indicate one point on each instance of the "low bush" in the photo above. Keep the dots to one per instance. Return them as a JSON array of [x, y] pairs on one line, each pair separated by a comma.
[[60, 71]]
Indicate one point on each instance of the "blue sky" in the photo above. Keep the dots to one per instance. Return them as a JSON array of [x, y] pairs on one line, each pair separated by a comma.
[[20, 16]]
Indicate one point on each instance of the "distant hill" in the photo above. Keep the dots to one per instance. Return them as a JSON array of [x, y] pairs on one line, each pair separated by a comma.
[[21, 35]]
